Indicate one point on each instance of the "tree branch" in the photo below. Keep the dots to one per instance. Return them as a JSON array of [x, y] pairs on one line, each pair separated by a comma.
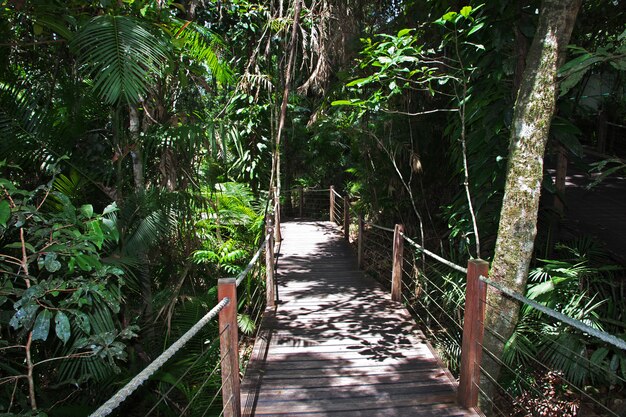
[[419, 113]]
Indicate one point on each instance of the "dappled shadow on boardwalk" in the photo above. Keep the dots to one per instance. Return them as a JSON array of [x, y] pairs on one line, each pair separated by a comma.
[[313, 383], [336, 344]]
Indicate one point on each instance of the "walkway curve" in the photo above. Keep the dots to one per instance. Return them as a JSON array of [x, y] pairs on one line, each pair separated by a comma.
[[336, 345]]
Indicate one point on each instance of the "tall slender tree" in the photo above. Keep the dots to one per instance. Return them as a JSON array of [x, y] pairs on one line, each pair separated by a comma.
[[532, 116]]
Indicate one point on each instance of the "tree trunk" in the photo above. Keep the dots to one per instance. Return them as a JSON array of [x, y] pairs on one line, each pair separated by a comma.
[[532, 116], [283, 108], [145, 280], [136, 154]]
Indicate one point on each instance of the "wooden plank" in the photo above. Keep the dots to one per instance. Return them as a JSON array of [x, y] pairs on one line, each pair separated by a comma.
[[341, 371], [381, 406], [336, 344]]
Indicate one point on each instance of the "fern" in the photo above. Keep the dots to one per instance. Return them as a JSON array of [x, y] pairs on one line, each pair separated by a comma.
[[225, 256]]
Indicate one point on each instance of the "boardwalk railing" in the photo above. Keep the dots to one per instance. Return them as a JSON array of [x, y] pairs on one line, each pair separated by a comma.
[[244, 295], [559, 376]]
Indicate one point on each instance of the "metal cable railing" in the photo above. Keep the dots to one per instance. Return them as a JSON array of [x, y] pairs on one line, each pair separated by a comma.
[[605, 337], [377, 253], [563, 357], [337, 206], [306, 203]]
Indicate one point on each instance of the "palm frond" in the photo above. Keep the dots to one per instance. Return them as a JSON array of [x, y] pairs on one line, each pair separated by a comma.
[[71, 186], [567, 352], [120, 55], [245, 324], [148, 231], [24, 127], [203, 45]]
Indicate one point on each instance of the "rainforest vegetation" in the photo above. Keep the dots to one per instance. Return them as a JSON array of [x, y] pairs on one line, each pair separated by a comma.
[[139, 142]]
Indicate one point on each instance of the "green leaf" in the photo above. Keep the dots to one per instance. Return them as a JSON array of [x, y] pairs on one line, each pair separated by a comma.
[[97, 235], [598, 356], [359, 82], [41, 329], [86, 210], [475, 28], [201, 44], [475, 45], [62, 326], [18, 245], [51, 264], [87, 262], [576, 63], [404, 32], [5, 212], [110, 209], [352, 102], [448, 17], [465, 11], [82, 320], [24, 316], [245, 324], [539, 289]]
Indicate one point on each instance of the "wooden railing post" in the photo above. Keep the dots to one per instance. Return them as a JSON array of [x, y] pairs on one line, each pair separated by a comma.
[[346, 217], [301, 202], [473, 331], [396, 272], [360, 240], [332, 203], [229, 348], [269, 264]]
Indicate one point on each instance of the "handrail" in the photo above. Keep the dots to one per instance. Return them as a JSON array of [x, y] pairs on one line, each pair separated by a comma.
[[602, 335], [113, 402], [253, 261], [421, 248], [308, 190], [336, 193], [434, 255], [386, 229]]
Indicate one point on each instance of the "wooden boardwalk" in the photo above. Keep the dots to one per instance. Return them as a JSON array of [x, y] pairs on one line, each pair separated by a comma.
[[336, 345]]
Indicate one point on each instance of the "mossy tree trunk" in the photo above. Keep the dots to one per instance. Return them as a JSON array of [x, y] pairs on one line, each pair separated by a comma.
[[532, 116]]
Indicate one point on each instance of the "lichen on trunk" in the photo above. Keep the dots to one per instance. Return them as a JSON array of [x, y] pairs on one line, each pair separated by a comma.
[[533, 113]]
